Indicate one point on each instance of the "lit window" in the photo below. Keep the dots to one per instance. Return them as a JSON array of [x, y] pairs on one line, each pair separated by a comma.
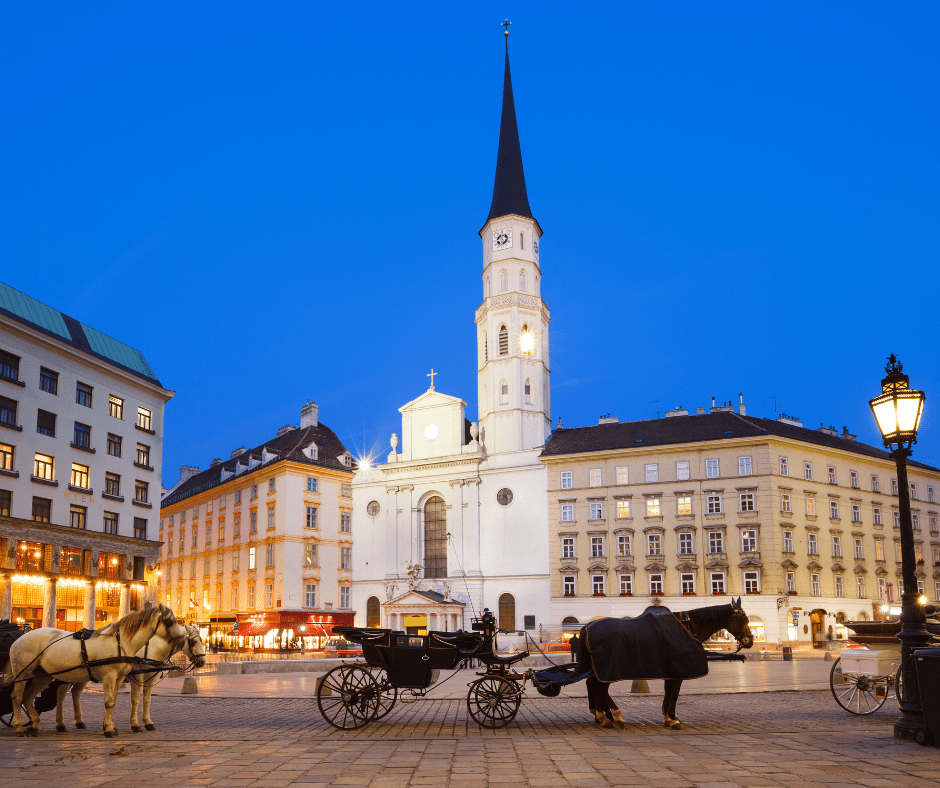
[[595, 477], [112, 484], [879, 550], [143, 455], [683, 504], [811, 506], [623, 510], [43, 467], [623, 475], [6, 457], [79, 475], [749, 541], [251, 557], [141, 491], [653, 508], [144, 419], [115, 407]]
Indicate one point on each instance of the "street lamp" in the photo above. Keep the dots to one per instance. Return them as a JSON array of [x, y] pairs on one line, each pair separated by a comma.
[[897, 411]]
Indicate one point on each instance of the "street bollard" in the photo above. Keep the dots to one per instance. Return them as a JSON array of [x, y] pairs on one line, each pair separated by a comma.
[[640, 686], [827, 657], [326, 690], [189, 686], [788, 653]]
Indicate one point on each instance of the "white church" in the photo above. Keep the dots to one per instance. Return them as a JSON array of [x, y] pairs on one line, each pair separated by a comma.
[[456, 519]]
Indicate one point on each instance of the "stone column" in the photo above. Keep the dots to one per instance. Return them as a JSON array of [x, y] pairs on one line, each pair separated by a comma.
[[48, 605], [89, 620], [6, 597], [125, 607]]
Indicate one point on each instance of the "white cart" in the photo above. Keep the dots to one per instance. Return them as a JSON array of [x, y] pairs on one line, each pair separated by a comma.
[[862, 679]]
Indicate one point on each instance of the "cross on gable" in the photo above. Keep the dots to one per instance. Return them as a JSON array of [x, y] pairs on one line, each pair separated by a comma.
[[431, 375]]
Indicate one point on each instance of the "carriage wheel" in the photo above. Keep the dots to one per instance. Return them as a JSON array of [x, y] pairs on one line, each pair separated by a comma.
[[388, 694], [348, 697], [493, 701], [898, 687], [857, 693]]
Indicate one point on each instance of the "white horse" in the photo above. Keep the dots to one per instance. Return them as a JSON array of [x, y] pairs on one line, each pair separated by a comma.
[[46, 654], [158, 648]]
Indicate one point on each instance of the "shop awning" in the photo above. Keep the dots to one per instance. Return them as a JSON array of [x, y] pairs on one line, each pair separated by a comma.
[[251, 630]]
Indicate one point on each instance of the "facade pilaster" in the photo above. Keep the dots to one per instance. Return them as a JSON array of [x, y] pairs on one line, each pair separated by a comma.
[[49, 602], [6, 597], [89, 613], [125, 604]]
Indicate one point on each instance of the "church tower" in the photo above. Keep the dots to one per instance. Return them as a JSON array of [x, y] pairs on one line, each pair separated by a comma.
[[512, 322]]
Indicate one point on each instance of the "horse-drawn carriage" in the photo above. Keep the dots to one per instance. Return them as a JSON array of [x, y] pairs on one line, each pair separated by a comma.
[[658, 644]]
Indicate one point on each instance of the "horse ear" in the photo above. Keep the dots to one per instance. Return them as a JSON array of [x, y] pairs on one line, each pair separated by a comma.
[[736, 603]]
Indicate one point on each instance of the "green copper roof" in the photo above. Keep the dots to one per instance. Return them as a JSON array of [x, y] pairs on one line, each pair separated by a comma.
[[36, 314]]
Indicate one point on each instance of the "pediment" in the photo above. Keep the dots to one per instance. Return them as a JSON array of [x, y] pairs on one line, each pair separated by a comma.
[[881, 571], [655, 567], [837, 567], [412, 598], [789, 564], [814, 565], [750, 562], [716, 563], [920, 573], [624, 568], [687, 567], [432, 399], [860, 570], [568, 568], [936, 573], [599, 566]]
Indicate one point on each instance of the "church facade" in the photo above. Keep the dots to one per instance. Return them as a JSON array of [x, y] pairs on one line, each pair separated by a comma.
[[456, 519]]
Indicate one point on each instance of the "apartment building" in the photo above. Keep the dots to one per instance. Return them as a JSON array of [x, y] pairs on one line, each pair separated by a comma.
[[257, 549], [81, 431], [803, 524]]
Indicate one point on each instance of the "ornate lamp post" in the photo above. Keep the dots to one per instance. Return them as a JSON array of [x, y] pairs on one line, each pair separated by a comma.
[[898, 410]]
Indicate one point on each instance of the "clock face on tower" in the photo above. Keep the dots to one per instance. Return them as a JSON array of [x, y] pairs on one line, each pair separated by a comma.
[[502, 239]]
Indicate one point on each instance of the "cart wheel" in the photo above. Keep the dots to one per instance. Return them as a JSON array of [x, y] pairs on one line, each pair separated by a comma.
[[348, 697], [898, 688], [493, 701], [388, 694], [857, 693]]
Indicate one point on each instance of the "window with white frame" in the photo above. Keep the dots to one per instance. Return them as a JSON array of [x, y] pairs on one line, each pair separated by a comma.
[[752, 582], [624, 546], [859, 549], [566, 480], [785, 503], [567, 584], [682, 470], [272, 520], [685, 544], [812, 544], [251, 596], [784, 467], [913, 491], [345, 558], [567, 512], [310, 554], [839, 587], [595, 477], [623, 475], [253, 523], [271, 486], [711, 469], [920, 587], [936, 590], [788, 541], [814, 584], [749, 541], [915, 520], [567, 547], [623, 510], [716, 542], [746, 501], [598, 585], [626, 585], [717, 580], [345, 597], [654, 544], [882, 588], [856, 513], [933, 525], [791, 582], [597, 510], [310, 595], [687, 582], [252, 553], [713, 502], [897, 518], [879, 549], [269, 554], [652, 472], [876, 515], [833, 509], [653, 508], [894, 486], [269, 595], [875, 485], [597, 547], [860, 587], [683, 504], [744, 466], [345, 522], [656, 584], [853, 479], [810, 506], [312, 486], [832, 475], [930, 495], [836, 546], [808, 471]]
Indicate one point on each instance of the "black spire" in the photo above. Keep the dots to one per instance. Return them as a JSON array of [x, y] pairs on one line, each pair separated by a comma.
[[509, 194]]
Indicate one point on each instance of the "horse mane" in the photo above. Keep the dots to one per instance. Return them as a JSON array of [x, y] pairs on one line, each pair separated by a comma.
[[132, 623], [712, 618]]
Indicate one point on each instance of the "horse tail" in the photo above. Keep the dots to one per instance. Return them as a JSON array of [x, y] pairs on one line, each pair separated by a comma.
[[6, 673]]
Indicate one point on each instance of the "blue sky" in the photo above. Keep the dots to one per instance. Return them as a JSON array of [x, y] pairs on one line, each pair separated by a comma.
[[280, 202]]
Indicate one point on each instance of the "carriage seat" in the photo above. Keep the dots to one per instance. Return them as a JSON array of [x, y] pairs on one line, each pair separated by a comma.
[[493, 658]]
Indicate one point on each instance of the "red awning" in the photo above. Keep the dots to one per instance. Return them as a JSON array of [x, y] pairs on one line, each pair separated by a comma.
[[251, 630]]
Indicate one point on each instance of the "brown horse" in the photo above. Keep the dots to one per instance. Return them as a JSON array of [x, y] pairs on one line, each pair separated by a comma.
[[701, 623]]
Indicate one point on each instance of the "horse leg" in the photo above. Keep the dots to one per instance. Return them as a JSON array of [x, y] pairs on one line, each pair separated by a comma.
[[148, 690], [109, 687], [60, 694], [77, 690], [598, 703], [613, 710], [16, 696], [34, 687], [672, 687]]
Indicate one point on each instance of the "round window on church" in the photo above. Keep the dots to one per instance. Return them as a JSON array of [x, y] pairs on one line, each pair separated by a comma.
[[373, 508], [504, 497]]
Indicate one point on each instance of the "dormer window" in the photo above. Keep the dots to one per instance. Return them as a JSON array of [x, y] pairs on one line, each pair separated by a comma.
[[346, 459], [311, 451]]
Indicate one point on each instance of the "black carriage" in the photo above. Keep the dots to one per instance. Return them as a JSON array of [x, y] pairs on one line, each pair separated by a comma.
[[355, 694]]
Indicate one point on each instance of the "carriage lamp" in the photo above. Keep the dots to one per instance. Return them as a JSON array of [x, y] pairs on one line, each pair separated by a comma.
[[897, 411]]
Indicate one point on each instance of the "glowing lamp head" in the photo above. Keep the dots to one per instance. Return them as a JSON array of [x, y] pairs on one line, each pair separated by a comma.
[[899, 407], [527, 342], [922, 599]]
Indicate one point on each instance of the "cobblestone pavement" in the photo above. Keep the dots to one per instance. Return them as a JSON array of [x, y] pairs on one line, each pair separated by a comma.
[[770, 739]]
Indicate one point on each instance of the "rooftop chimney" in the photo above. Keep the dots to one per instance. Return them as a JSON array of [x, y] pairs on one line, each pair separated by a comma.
[[608, 419], [783, 418], [308, 415], [187, 472], [700, 411], [284, 430], [677, 412], [846, 435], [216, 461], [741, 406], [828, 430], [234, 454], [726, 406]]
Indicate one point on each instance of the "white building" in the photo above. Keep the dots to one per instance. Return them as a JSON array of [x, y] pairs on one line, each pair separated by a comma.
[[465, 502], [81, 429]]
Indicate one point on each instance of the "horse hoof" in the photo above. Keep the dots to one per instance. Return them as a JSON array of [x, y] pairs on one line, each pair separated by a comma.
[[150, 726], [136, 729], [607, 723], [110, 734], [21, 733], [33, 731], [60, 728], [79, 724]]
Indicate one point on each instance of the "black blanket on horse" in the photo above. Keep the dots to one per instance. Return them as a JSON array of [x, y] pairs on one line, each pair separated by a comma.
[[650, 646]]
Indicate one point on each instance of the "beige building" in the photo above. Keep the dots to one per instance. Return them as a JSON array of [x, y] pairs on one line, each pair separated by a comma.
[[260, 545], [802, 523]]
